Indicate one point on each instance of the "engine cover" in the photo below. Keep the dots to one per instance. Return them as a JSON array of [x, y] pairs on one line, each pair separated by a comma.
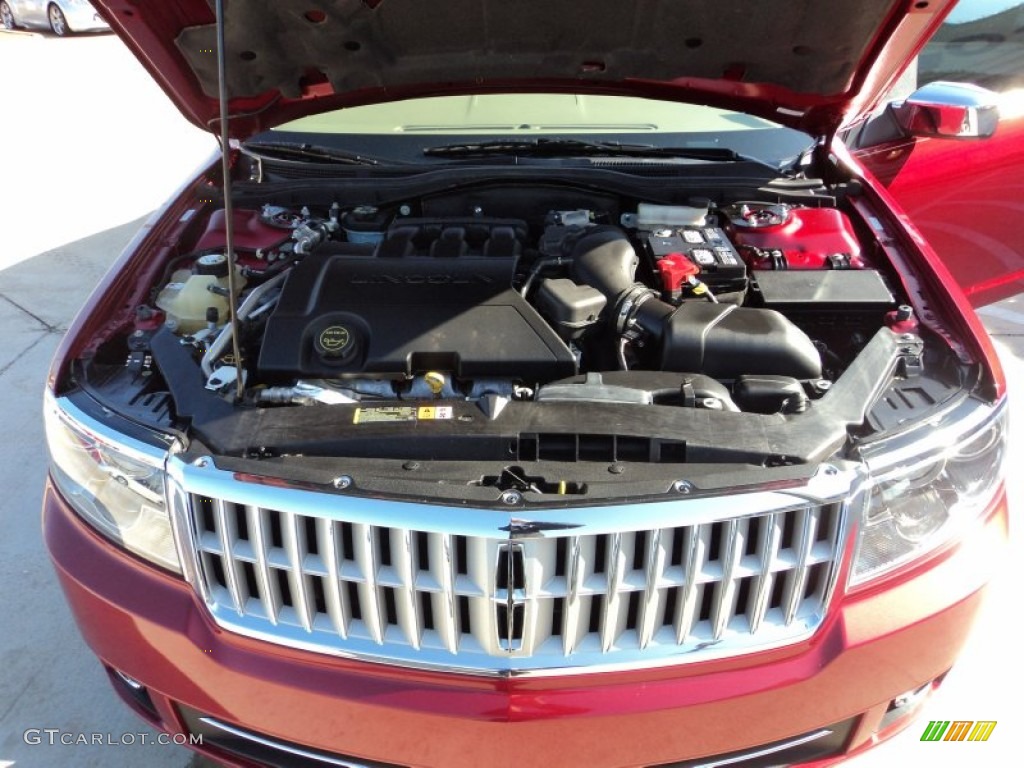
[[345, 312]]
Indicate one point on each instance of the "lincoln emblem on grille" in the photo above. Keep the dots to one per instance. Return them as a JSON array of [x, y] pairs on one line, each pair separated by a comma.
[[510, 596]]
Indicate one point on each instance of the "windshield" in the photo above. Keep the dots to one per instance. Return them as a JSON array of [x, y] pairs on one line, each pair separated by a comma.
[[402, 130]]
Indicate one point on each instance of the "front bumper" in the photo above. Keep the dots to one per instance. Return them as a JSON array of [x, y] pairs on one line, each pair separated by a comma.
[[875, 645]]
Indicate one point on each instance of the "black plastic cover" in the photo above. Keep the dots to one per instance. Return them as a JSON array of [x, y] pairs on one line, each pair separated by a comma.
[[770, 394], [645, 387], [400, 316], [570, 307], [453, 237], [769, 443], [726, 341], [845, 290]]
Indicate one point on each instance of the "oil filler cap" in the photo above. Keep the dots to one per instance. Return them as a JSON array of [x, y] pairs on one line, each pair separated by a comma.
[[336, 344]]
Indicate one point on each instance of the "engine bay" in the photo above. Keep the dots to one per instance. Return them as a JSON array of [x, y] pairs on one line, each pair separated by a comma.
[[521, 326], [755, 306]]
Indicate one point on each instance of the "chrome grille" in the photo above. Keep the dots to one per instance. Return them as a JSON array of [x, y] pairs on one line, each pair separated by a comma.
[[497, 601]]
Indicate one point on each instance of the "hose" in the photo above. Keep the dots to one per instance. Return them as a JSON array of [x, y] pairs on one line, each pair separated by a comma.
[[244, 310], [604, 259], [538, 267]]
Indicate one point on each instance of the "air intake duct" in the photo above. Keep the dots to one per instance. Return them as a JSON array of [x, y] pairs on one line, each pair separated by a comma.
[[720, 340]]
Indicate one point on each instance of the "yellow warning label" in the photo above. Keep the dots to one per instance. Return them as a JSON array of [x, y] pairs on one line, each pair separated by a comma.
[[370, 415], [434, 412], [402, 413]]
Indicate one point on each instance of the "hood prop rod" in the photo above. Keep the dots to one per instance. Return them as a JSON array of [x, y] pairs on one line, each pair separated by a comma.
[[229, 218]]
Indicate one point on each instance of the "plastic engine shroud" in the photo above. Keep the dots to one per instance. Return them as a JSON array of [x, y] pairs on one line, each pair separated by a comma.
[[347, 313]]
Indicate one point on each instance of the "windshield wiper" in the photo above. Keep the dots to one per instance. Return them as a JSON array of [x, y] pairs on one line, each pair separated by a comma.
[[570, 147], [313, 152]]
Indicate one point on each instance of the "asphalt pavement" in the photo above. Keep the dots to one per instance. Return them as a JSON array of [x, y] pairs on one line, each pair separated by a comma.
[[90, 145]]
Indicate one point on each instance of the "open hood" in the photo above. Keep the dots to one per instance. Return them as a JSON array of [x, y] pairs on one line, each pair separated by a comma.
[[807, 64]]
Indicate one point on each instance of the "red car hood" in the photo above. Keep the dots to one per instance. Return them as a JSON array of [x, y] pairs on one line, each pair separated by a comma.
[[809, 64]]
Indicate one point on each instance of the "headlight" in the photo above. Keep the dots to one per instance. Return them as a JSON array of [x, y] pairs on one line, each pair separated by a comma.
[[916, 504], [117, 486]]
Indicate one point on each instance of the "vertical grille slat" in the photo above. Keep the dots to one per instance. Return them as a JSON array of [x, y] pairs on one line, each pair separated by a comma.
[[537, 573], [565, 599], [768, 550], [572, 619], [441, 549], [731, 551], [613, 619], [270, 596], [295, 546], [335, 597], [486, 602], [698, 541], [402, 552], [656, 557], [370, 608], [806, 530], [228, 534]]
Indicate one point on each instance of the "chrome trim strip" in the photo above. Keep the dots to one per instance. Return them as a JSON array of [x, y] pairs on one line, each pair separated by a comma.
[[64, 408], [766, 751], [927, 441], [200, 477], [345, 763], [131, 682], [181, 525], [265, 741]]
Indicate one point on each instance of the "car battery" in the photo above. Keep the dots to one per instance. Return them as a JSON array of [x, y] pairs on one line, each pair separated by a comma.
[[721, 267]]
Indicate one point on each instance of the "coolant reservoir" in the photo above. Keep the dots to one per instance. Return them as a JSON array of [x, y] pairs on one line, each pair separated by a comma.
[[188, 296]]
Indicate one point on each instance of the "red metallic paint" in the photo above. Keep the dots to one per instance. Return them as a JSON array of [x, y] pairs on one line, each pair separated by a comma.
[[876, 644], [967, 199], [807, 239], [935, 293], [250, 233]]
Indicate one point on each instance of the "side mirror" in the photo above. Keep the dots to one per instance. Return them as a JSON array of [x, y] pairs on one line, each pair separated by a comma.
[[949, 111]]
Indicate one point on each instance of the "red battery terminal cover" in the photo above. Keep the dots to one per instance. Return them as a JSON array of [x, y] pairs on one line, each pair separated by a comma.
[[676, 270]]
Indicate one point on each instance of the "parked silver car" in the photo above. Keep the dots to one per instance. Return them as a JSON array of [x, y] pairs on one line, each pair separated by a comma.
[[62, 17]]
